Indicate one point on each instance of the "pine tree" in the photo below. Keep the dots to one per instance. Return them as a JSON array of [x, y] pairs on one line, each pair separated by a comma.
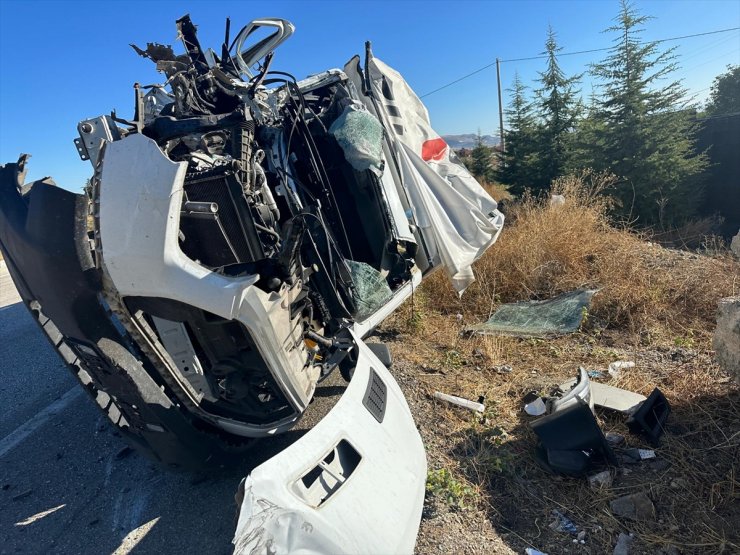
[[725, 95], [559, 108], [647, 128], [586, 146], [480, 165], [518, 165]]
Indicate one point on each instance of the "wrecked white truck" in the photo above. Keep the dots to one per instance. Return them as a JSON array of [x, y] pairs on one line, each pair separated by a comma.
[[238, 238]]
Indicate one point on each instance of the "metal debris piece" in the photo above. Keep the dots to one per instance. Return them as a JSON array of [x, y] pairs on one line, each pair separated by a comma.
[[562, 523], [460, 402]]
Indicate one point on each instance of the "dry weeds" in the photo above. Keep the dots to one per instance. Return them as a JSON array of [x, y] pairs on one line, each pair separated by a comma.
[[546, 250]]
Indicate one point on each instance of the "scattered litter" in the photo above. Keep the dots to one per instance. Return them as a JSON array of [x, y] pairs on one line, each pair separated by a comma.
[[535, 408], [562, 523], [532, 551], [624, 541], [615, 368], [614, 438], [459, 401], [570, 440], [581, 536], [634, 455], [21, 495], [602, 480], [557, 316], [503, 369], [637, 506], [596, 374]]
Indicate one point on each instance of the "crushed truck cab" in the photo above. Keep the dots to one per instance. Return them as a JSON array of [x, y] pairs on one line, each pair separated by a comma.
[[239, 236]]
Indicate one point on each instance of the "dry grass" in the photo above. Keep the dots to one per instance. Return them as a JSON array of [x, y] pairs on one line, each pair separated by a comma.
[[656, 307], [545, 250]]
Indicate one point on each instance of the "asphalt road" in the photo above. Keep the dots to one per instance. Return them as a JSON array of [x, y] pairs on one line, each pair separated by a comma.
[[69, 485]]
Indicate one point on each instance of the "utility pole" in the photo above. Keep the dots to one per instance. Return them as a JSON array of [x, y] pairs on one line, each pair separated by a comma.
[[500, 106]]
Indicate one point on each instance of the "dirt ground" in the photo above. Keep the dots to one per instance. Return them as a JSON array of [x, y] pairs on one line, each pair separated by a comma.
[[488, 495]]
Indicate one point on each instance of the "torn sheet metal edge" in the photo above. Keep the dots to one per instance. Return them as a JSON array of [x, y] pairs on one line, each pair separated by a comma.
[[610, 397], [377, 509]]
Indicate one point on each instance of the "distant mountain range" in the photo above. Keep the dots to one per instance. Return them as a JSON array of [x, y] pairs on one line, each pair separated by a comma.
[[468, 140]]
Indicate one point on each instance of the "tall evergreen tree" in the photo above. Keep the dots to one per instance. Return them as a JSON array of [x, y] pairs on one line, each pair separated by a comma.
[[518, 164], [724, 97], [585, 149], [559, 107], [480, 165], [647, 127]]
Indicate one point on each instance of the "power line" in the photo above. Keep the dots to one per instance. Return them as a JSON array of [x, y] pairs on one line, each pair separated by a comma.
[[458, 80], [543, 56]]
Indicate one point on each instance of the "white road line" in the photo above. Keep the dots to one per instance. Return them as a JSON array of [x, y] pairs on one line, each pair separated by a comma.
[[17, 436]]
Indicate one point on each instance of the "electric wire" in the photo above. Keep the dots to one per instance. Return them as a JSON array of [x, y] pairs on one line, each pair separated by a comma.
[[544, 56]]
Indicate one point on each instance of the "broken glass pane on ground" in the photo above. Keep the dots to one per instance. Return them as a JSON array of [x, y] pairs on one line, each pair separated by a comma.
[[557, 316]]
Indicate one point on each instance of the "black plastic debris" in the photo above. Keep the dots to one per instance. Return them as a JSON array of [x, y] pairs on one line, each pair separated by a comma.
[[570, 440], [649, 418]]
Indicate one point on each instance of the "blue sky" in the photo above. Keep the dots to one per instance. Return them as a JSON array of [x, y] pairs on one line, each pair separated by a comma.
[[61, 62]]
